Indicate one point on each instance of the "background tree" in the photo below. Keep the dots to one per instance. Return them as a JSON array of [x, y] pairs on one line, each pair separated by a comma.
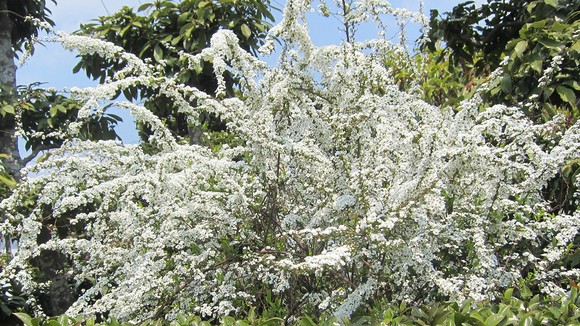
[[15, 34], [42, 118], [39, 112], [160, 31], [539, 37], [538, 42]]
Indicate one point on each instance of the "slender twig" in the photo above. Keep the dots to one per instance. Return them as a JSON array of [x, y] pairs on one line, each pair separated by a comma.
[[13, 13], [345, 12], [35, 153], [107, 10]]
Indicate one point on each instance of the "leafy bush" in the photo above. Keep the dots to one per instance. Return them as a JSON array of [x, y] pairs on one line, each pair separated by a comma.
[[522, 309], [536, 40]]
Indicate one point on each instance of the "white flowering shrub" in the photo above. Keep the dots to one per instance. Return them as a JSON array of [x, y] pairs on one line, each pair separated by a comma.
[[344, 190]]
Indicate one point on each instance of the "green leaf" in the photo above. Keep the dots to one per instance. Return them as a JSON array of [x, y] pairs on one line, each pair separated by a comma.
[[477, 316], [547, 92], [441, 316], [78, 67], [573, 84], [63, 320], [402, 306], [493, 320], [553, 3], [124, 30], [252, 315], [306, 321], [43, 158], [520, 48], [184, 18], [114, 322], [574, 294], [537, 24], [53, 111], [228, 320], [187, 29], [550, 43], [507, 295], [525, 292], [536, 63], [531, 7], [8, 109], [506, 84], [246, 31], [158, 53], [114, 117], [176, 40], [534, 300], [259, 27], [575, 47], [4, 308], [144, 6], [8, 181], [26, 319], [181, 320], [566, 94], [389, 315], [528, 321]]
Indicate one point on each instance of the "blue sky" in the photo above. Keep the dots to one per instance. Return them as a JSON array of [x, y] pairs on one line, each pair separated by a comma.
[[53, 66]]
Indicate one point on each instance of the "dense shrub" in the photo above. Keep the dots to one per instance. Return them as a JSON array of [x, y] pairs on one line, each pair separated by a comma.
[[522, 309], [341, 191]]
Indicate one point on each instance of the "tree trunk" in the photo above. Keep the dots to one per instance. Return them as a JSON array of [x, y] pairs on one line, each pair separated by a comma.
[[53, 264], [59, 296], [8, 140]]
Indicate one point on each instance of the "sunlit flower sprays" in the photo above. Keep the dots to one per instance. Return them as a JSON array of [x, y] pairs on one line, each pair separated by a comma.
[[344, 190]]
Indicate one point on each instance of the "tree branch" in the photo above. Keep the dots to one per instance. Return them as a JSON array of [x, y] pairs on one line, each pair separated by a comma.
[[35, 153], [346, 24]]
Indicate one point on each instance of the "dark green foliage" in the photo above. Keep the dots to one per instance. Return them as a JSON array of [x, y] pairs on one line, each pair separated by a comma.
[[10, 300], [441, 84], [159, 31], [551, 32], [517, 307], [523, 309], [24, 30], [531, 34], [468, 30], [47, 112]]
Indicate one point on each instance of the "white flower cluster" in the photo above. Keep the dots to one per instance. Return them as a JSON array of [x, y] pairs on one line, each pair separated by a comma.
[[551, 71], [344, 189]]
